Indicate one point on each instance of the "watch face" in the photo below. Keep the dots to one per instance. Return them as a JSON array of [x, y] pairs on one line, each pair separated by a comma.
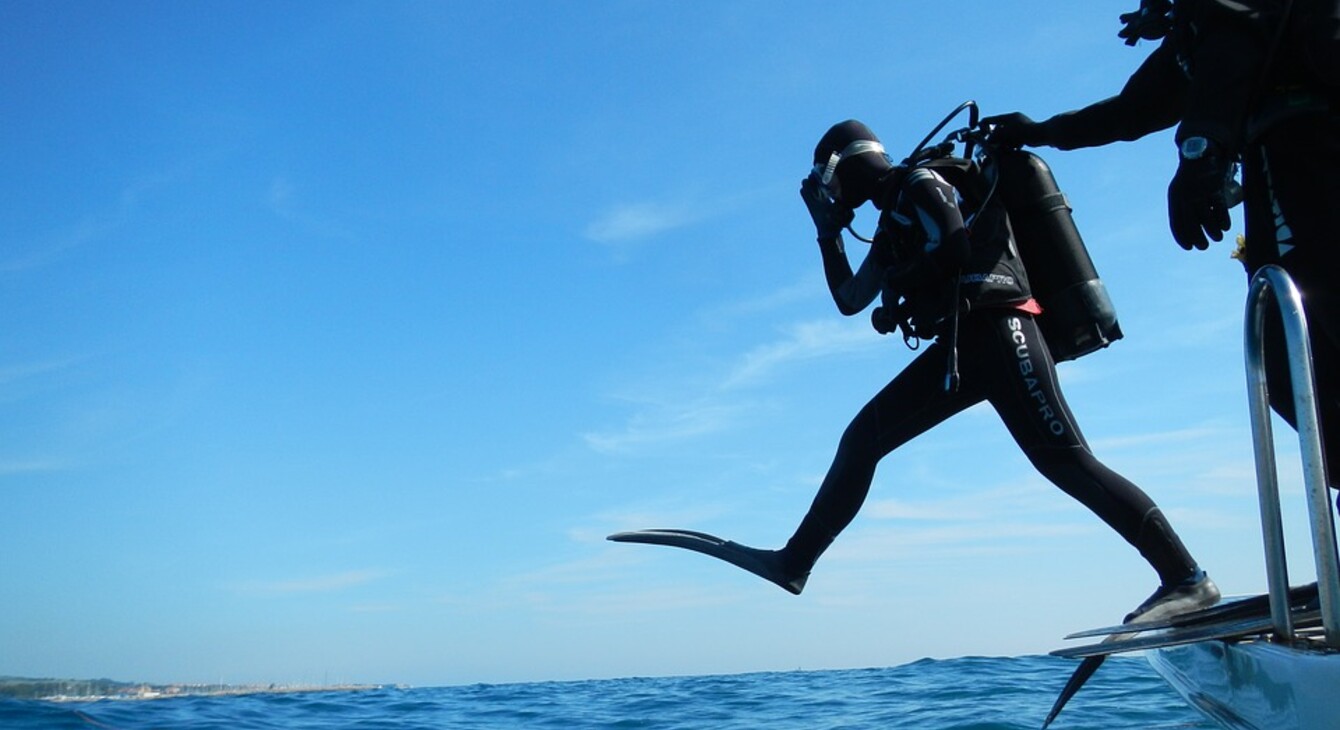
[[1194, 147]]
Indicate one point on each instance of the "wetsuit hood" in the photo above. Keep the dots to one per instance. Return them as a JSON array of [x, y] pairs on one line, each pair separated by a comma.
[[849, 161]]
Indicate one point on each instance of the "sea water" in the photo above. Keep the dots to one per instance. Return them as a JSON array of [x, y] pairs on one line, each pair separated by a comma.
[[971, 693]]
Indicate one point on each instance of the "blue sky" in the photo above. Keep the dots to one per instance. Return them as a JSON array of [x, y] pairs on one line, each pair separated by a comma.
[[337, 336]]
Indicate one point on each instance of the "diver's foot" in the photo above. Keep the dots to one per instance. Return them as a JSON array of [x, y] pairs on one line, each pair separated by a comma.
[[770, 565], [1196, 592]]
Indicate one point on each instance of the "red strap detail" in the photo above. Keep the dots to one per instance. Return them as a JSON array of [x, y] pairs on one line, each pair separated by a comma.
[[1031, 306]]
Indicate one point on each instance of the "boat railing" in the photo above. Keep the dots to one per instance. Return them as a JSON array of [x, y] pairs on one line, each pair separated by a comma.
[[1274, 280]]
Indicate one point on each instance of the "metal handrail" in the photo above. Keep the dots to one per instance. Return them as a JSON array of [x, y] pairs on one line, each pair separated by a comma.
[[1274, 279]]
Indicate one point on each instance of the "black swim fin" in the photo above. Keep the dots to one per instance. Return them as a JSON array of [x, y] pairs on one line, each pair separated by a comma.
[[766, 564], [1301, 598], [1227, 630], [1196, 593], [1082, 673]]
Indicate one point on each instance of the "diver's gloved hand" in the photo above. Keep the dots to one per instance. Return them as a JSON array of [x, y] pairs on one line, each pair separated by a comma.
[[1014, 130], [885, 322], [1198, 197], [1151, 22], [829, 217]]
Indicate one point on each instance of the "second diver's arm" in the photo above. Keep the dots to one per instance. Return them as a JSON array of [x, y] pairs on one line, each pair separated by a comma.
[[1152, 100]]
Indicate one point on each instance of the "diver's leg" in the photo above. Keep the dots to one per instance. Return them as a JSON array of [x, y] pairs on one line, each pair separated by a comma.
[[913, 402], [1321, 305], [1297, 182], [1020, 381]]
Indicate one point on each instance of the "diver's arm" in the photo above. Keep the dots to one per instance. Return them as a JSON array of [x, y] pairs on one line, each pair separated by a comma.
[[848, 290], [851, 292], [1153, 99], [1229, 62]]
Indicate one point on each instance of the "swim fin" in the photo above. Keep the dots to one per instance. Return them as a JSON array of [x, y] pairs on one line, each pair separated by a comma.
[[1195, 593], [766, 564], [1093, 655], [1231, 630], [1300, 598], [1082, 673]]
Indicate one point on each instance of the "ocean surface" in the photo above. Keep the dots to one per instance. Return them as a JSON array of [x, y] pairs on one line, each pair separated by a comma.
[[955, 694]]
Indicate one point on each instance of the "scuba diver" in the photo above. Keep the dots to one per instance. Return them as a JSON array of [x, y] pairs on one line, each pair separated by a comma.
[[945, 267], [1252, 82]]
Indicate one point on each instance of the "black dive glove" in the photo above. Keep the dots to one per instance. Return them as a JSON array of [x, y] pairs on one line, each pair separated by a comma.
[[1015, 130], [1151, 22], [829, 217], [885, 321], [1200, 194]]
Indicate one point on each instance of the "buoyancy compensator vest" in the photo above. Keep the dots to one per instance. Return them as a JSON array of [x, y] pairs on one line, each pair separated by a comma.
[[934, 288], [992, 274], [1077, 314]]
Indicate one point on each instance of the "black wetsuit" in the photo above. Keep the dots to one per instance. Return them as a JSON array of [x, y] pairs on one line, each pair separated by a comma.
[[972, 283], [1238, 74]]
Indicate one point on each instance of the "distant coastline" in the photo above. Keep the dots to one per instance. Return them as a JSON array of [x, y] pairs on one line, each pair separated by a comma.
[[88, 690]]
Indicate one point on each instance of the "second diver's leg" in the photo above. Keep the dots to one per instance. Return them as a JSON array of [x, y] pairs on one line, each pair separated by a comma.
[[1322, 308], [1297, 182]]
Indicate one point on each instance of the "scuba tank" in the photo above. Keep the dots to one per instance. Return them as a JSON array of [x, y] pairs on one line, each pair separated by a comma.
[[1077, 314]]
